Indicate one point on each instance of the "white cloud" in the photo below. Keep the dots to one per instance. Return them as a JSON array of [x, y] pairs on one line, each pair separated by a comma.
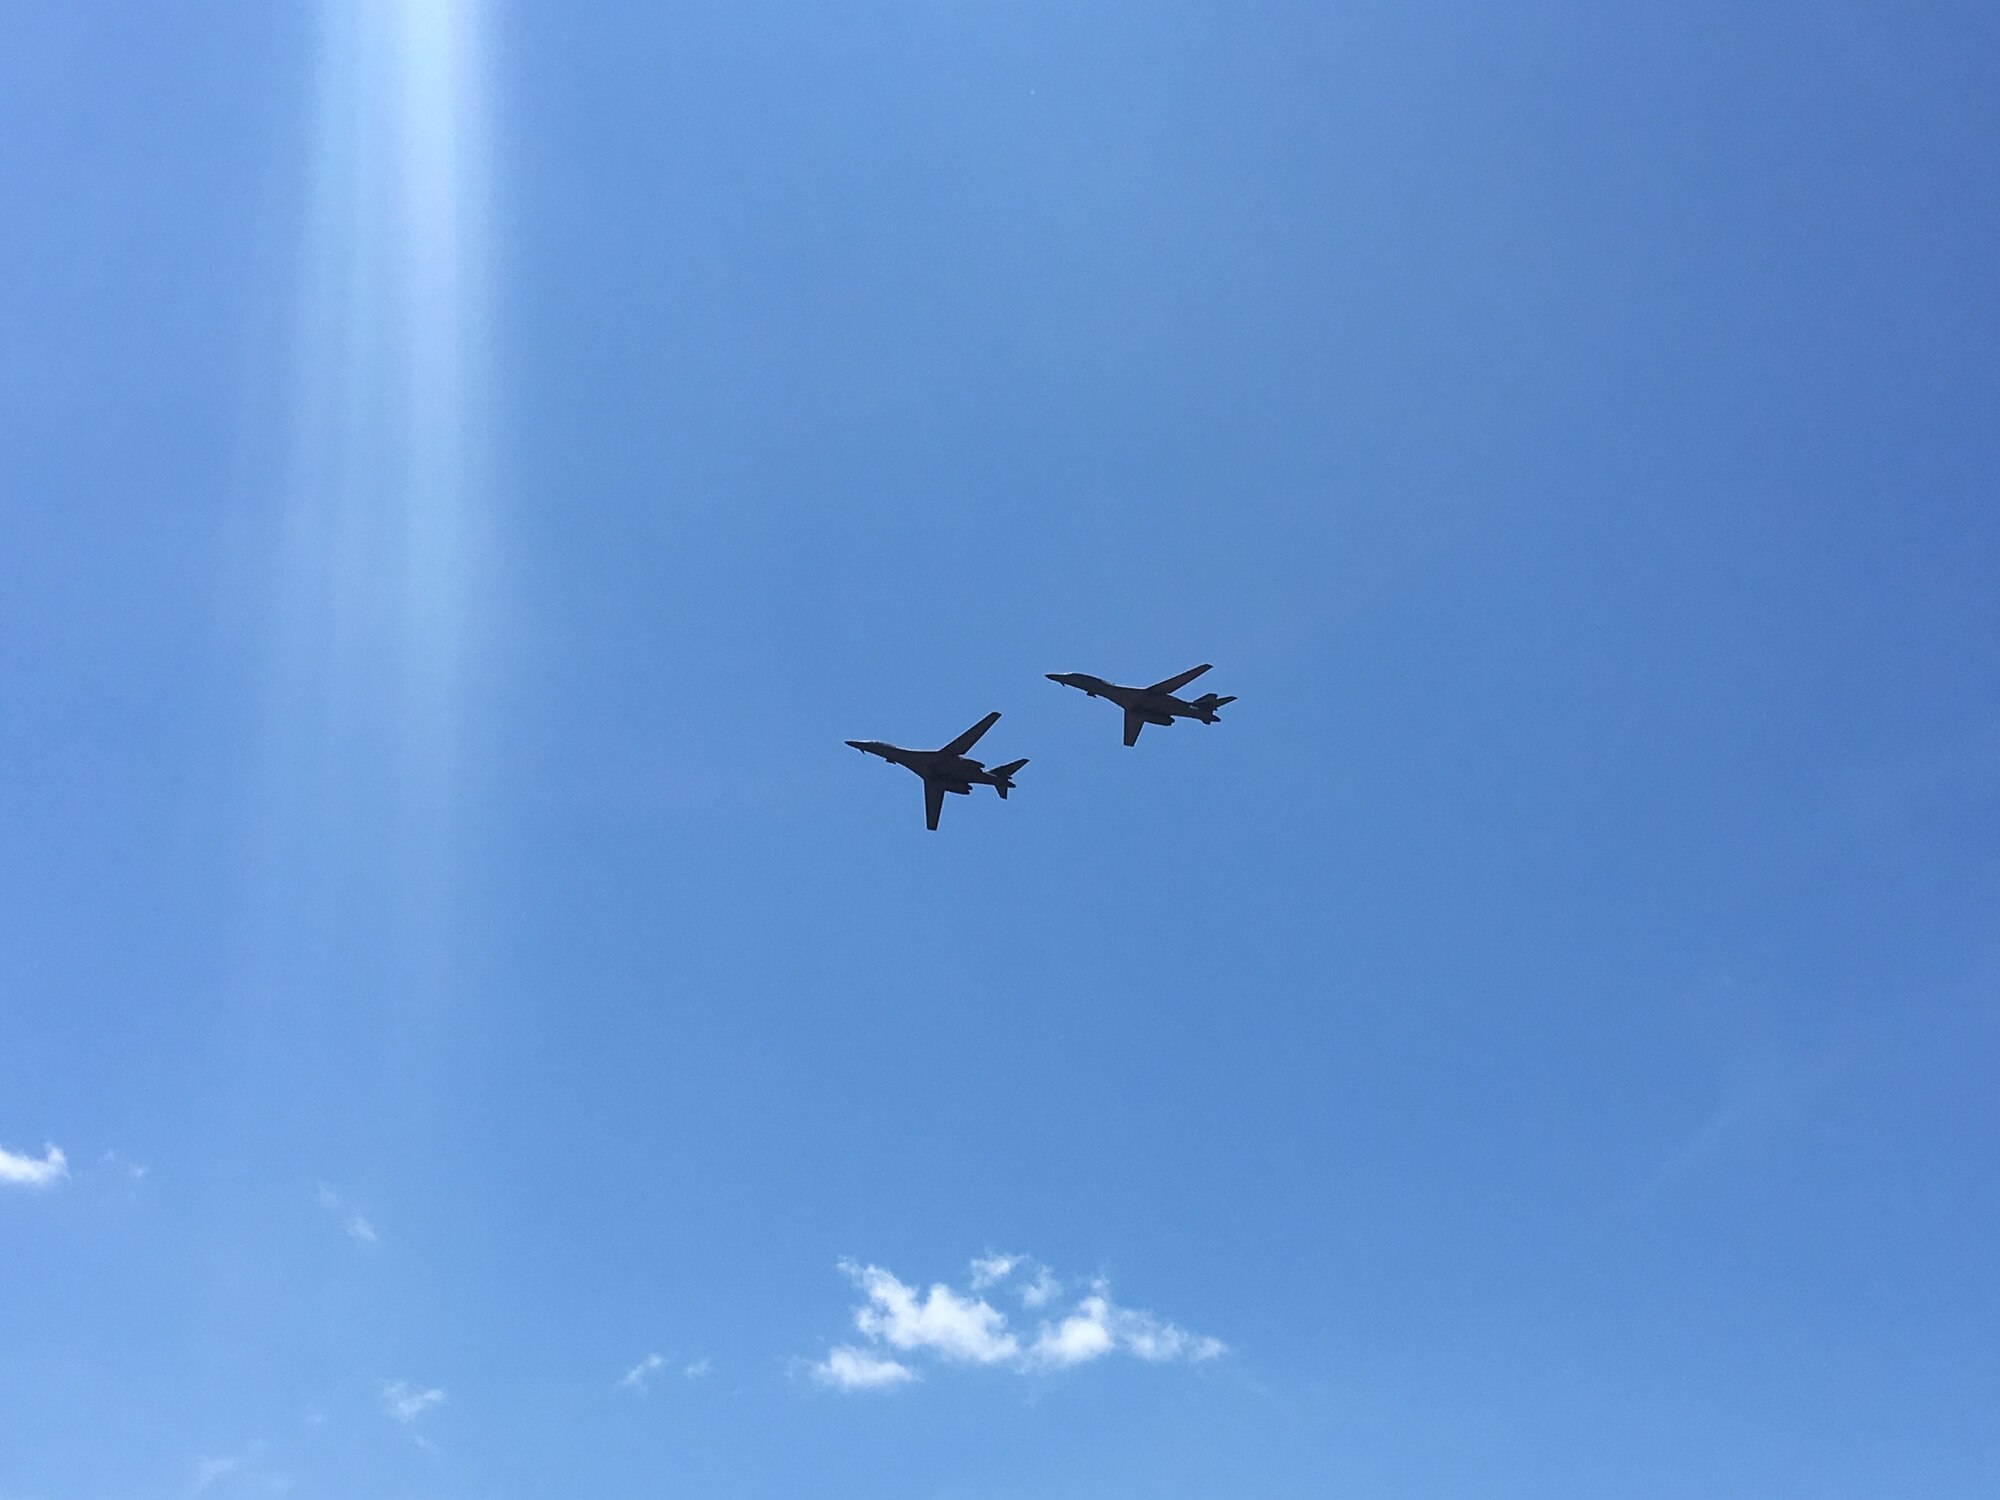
[[640, 1377], [1098, 1327], [699, 1369], [353, 1223], [992, 1269], [406, 1403], [1080, 1337], [1160, 1342], [959, 1328], [33, 1172], [849, 1369], [963, 1328], [989, 1270]]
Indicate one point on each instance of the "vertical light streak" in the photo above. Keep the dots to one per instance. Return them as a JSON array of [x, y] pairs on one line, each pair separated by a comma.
[[382, 529], [443, 194]]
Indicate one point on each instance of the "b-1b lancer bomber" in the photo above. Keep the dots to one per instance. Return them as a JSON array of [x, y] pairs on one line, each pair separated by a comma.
[[1149, 705], [947, 769]]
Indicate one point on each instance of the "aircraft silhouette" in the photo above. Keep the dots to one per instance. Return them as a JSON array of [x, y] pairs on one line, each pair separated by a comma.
[[1148, 705], [947, 769]]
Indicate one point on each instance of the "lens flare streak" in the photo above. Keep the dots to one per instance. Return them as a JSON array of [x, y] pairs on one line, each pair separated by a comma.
[[382, 522]]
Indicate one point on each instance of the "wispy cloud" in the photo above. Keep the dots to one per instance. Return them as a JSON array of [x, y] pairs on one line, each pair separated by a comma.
[[1036, 1286], [989, 1270], [640, 1377], [112, 1161], [963, 1328], [1759, 1106], [353, 1223], [33, 1172], [406, 1402], [1763, 1088], [208, 1470], [246, 1472]]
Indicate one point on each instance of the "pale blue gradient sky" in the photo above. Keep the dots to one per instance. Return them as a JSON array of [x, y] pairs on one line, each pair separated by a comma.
[[1546, 1032]]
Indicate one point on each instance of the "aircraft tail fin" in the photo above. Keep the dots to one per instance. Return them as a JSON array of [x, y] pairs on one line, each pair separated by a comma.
[[1006, 775], [1208, 703]]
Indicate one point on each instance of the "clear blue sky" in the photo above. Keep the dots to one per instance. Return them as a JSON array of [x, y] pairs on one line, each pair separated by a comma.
[[471, 1028]]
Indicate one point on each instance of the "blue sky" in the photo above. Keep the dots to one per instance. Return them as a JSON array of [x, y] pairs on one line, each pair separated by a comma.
[[473, 1030]]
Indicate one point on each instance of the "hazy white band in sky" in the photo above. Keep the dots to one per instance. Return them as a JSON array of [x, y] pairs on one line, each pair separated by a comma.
[[382, 510]]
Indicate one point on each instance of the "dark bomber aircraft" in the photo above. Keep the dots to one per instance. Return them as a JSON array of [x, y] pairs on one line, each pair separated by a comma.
[[1148, 705], [947, 770]]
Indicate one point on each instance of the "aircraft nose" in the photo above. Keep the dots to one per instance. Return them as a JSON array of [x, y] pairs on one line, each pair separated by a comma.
[[1053, 676], [857, 744]]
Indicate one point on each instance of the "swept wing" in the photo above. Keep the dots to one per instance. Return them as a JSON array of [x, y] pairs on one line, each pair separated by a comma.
[[971, 736], [1175, 684]]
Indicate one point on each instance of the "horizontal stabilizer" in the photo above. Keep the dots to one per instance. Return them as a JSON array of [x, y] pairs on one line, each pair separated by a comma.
[[1006, 776]]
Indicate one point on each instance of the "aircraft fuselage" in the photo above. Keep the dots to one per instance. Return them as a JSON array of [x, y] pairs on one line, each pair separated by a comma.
[[1152, 706], [956, 773]]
